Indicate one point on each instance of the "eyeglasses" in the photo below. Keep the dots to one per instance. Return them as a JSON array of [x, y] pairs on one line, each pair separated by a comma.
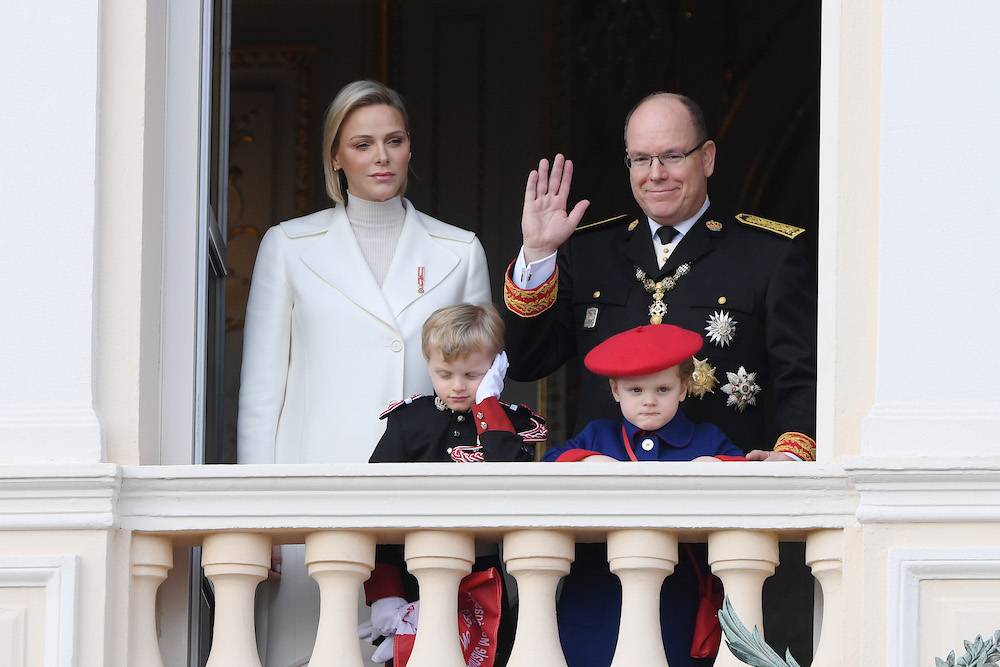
[[665, 159]]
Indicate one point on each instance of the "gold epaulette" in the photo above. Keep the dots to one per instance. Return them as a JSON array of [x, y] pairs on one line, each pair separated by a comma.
[[797, 443], [530, 302], [591, 225], [787, 231]]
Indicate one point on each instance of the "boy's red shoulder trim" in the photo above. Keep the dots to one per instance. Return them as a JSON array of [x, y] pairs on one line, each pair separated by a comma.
[[396, 404]]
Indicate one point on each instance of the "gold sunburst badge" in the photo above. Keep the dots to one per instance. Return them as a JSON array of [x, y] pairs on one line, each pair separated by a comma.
[[703, 380]]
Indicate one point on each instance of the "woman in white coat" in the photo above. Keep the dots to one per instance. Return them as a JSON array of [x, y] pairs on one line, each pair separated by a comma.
[[333, 321]]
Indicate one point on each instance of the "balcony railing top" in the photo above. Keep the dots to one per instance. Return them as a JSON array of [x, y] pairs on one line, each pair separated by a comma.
[[691, 497]]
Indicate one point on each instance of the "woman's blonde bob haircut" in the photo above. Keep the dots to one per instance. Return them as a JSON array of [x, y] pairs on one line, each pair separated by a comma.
[[353, 96], [458, 331]]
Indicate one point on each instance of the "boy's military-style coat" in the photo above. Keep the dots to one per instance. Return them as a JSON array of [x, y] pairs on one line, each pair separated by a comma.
[[745, 283], [423, 429]]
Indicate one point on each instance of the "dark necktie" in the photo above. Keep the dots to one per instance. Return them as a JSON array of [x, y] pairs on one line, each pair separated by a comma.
[[666, 234]]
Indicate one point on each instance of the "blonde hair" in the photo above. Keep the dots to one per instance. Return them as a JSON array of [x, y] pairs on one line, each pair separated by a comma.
[[353, 96], [458, 331]]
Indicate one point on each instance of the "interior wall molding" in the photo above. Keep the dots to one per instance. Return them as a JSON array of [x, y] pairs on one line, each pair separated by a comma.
[[58, 576], [907, 568]]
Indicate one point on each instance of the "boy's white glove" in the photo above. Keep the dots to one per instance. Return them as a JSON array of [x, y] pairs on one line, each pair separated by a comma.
[[492, 382], [386, 615], [390, 616]]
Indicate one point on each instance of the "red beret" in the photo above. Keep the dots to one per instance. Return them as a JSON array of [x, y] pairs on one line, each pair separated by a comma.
[[647, 349]]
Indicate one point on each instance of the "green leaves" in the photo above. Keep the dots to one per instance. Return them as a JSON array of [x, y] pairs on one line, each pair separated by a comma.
[[978, 653], [748, 647]]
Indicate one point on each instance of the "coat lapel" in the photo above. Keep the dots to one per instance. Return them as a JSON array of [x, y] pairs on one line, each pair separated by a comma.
[[417, 251], [337, 259], [697, 242], [639, 247]]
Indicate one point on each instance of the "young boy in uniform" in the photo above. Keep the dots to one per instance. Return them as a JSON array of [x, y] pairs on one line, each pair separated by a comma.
[[649, 370], [464, 422]]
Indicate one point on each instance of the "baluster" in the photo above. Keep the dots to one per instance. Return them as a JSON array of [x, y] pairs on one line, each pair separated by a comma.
[[825, 555], [235, 563], [339, 561], [439, 560], [537, 559], [152, 558], [641, 559], [742, 559]]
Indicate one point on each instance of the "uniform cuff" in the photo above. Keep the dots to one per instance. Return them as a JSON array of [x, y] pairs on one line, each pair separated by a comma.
[[727, 457], [798, 444], [490, 416], [386, 582], [529, 302]]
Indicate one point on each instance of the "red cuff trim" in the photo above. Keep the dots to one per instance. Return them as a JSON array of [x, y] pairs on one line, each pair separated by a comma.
[[533, 302], [386, 582], [726, 457], [490, 416], [797, 443], [573, 455]]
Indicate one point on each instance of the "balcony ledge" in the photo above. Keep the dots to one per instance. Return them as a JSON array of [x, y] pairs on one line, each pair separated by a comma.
[[690, 497]]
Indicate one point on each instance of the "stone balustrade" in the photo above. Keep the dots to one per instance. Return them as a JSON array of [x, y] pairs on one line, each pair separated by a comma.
[[537, 547]]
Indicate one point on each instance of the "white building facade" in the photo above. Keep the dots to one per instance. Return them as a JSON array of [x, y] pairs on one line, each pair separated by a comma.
[[102, 196]]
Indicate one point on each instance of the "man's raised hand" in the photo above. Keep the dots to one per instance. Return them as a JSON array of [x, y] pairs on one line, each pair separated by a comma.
[[545, 224]]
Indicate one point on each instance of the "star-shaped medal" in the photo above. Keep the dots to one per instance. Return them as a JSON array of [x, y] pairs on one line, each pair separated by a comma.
[[742, 389], [721, 328], [703, 379]]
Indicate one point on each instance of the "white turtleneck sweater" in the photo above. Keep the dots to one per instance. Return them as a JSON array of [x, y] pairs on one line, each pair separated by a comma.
[[377, 226]]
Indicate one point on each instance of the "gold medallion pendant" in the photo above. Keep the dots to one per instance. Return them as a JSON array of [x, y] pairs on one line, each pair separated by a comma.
[[659, 288]]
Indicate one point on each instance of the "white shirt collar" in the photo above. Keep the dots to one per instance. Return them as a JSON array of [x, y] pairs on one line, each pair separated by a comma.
[[682, 227]]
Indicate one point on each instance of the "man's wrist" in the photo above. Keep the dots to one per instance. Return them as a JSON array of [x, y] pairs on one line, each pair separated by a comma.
[[535, 254]]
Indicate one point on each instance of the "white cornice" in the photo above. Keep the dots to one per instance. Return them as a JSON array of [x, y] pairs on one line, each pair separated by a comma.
[[926, 489], [685, 496], [51, 497]]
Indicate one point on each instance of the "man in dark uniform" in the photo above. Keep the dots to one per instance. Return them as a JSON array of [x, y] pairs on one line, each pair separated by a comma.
[[744, 281]]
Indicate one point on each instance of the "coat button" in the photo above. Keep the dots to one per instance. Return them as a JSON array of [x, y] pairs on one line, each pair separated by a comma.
[[460, 418], [479, 415], [396, 345], [456, 433], [722, 300], [597, 294], [483, 425], [647, 445]]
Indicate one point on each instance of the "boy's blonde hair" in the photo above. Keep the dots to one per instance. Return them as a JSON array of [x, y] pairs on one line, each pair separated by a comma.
[[458, 331]]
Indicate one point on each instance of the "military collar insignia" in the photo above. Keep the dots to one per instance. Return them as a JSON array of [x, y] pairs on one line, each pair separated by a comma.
[[721, 328], [780, 228], [714, 226], [440, 404], [703, 380], [632, 225], [742, 389]]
